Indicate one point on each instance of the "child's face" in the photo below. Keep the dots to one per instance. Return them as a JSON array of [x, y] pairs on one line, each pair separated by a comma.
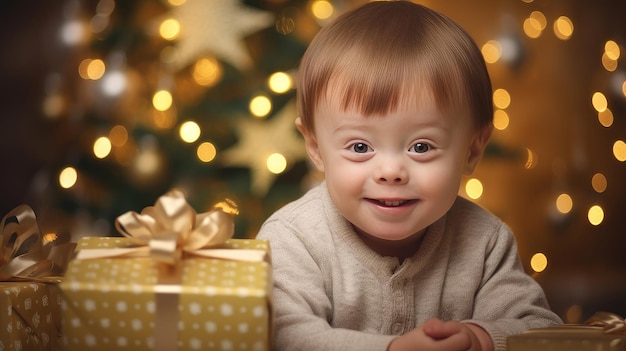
[[392, 176]]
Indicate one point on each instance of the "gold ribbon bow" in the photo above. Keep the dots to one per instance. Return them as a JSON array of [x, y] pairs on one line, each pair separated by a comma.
[[610, 322], [24, 256], [171, 228]]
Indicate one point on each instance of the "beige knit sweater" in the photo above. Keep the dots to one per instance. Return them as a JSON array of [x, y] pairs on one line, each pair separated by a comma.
[[332, 292]]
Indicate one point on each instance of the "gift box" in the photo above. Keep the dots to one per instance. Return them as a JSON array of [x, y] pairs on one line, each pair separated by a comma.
[[30, 318], [119, 293], [602, 332], [30, 269]]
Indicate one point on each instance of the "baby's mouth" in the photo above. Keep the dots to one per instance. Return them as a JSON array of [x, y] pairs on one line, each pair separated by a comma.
[[391, 203]]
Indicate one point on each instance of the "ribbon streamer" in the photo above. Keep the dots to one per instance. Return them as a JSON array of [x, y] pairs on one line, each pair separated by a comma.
[[610, 322], [24, 256]]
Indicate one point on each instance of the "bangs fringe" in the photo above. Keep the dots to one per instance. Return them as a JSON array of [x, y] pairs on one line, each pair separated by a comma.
[[373, 88]]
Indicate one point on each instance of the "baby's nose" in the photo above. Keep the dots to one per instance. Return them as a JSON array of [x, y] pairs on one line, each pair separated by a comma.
[[392, 171]]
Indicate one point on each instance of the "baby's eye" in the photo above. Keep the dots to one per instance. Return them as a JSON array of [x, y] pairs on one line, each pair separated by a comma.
[[360, 148], [420, 148]]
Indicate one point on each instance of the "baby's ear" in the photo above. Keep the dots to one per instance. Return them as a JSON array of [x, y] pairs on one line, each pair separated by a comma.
[[310, 142], [477, 148]]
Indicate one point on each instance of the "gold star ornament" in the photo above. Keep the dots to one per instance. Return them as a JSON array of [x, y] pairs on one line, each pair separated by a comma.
[[216, 27], [266, 144]]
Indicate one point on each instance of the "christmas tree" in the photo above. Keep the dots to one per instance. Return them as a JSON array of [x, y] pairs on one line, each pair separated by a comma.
[[151, 96]]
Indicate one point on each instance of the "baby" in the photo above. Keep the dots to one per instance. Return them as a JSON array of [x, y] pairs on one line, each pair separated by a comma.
[[395, 106]]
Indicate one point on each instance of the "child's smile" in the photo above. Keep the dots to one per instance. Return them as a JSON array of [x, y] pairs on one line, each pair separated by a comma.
[[391, 203]]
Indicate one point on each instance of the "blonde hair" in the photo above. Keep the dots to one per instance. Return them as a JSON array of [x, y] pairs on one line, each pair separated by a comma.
[[386, 51]]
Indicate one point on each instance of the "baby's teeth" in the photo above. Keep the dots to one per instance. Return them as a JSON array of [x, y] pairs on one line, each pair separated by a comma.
[[392, 203]]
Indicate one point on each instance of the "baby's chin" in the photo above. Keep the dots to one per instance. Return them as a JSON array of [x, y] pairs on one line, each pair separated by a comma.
[[396, 236]]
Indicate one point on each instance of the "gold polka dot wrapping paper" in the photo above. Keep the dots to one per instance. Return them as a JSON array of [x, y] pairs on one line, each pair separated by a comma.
[[30, 316]]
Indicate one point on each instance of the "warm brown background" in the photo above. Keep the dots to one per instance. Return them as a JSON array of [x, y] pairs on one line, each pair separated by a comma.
[[551, 113]]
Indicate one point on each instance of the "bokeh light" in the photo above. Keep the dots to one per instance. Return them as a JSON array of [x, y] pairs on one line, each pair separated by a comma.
[[501, 98], [276, 163], [189, 131], [492, 51], [260, 106], [162, 100], [101, 20], [619, 150], [102, 147], [599, 102], [574, 314], [563, 28], [595, 215], [82, 68], [73, 32], [539, 262], [608, 64], [322, 9], [99, 23], [169, 29], [118, 135], [539, 19], [148, 162], [91, 69], [606, 118], [500, 119], [114, 83], [280, 82], [535, 24], [68, 177], [611, 49], [474, 188], [207, 71], [564, 203], [599, 183], [53, 105], [531, 29], [163, 119], [206, 152], [511, 48]]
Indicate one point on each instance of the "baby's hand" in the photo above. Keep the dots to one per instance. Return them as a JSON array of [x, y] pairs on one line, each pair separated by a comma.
[[456, 335], [436, 335]]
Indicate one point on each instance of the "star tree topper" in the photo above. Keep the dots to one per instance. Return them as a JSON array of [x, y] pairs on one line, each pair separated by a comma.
[[216, 27], [260, 138]]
